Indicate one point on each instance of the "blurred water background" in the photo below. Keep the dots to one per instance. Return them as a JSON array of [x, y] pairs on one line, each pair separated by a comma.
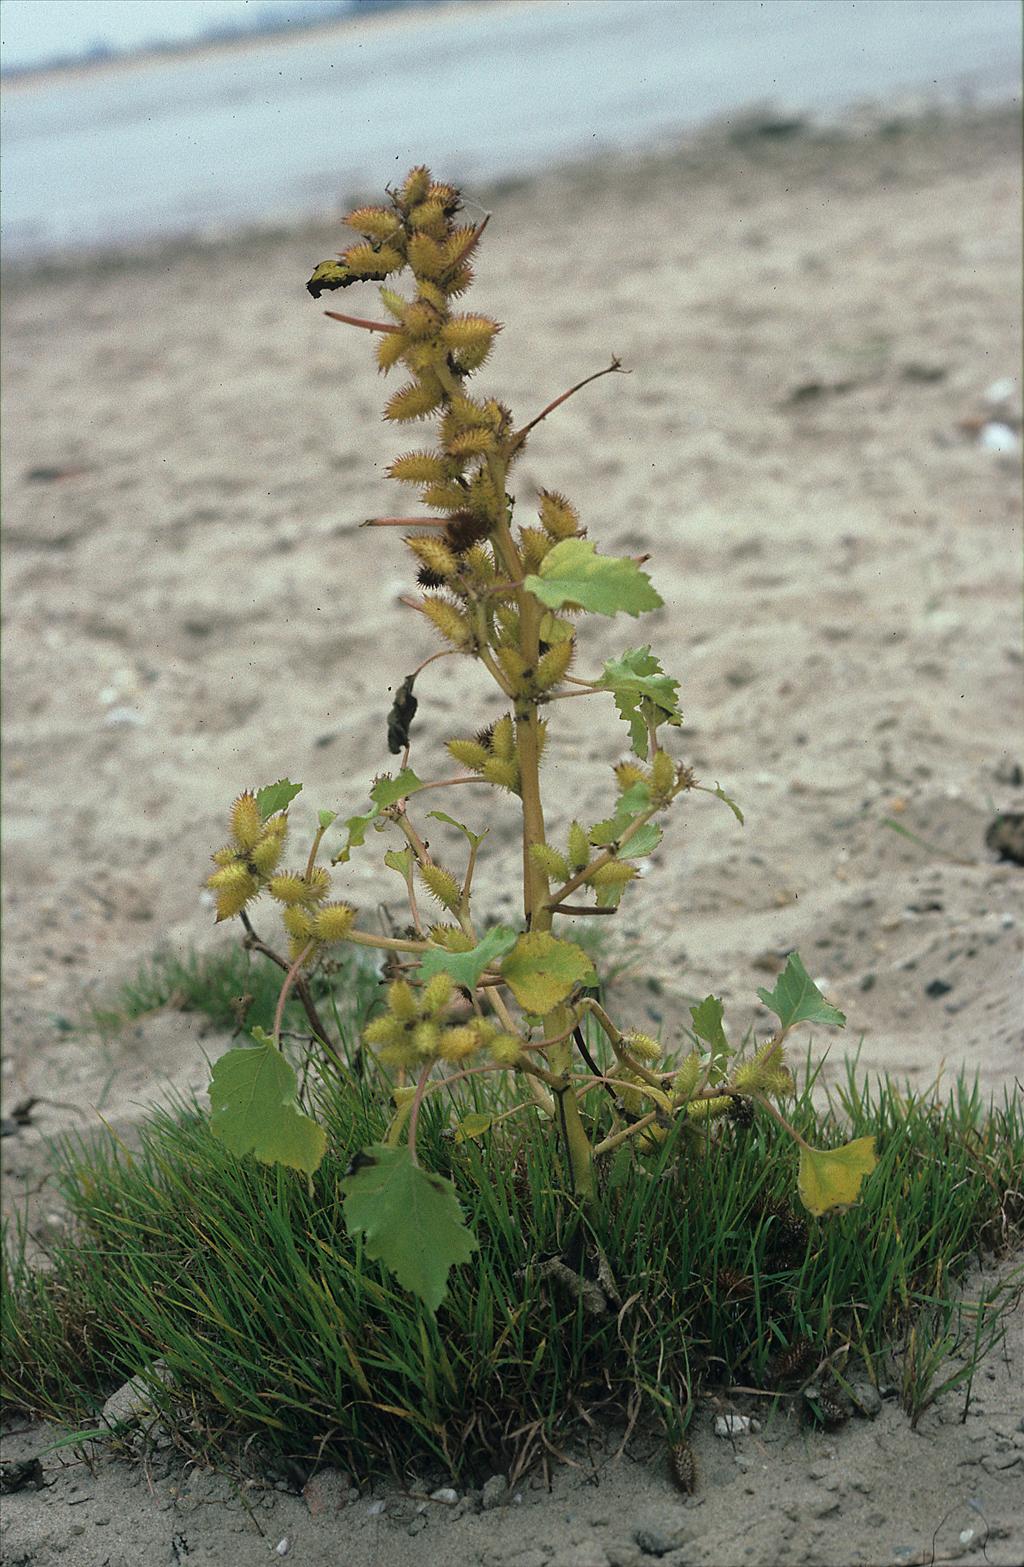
[[275, 130]]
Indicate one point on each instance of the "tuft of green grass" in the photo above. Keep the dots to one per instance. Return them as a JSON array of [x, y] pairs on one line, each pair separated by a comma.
[[215, 983], [280, 1336]]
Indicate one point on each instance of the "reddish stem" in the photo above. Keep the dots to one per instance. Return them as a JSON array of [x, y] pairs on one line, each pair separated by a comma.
[[417, 1100], [368, 326], [289, 981]]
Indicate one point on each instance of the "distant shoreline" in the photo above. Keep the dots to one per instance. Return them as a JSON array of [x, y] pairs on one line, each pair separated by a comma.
[[215, 48]]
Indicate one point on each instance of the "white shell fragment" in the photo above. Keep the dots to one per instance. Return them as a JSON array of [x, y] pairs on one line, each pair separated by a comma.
[[735, 1425]]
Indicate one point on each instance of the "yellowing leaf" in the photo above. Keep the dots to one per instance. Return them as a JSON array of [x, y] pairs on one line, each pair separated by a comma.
[[254, 1109], [574, 573], [832, 1177], [541, 970], [473, 1125], [410, 1219]]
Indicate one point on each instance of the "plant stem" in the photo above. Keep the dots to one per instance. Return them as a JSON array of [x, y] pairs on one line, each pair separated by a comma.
[[417, 1100], [254, 944], [289, 981]]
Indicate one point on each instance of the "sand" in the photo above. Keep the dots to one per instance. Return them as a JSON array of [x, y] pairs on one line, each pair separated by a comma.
[[816, 327]]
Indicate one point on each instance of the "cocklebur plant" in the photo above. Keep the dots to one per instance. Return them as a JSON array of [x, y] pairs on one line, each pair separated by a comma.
[[462, 1000]]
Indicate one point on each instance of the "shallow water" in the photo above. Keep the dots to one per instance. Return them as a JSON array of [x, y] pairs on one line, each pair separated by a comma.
[[291, 127]]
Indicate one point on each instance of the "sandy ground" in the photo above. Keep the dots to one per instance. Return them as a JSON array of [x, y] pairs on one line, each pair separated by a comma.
[[816, 328]]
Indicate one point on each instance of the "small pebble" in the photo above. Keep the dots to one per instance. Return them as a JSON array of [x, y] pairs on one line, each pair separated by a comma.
[[283, 1546], [445, 1494], [376, 1508], [735, 1425]]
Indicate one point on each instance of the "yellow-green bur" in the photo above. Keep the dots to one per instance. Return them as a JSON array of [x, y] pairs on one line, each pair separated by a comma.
[[254, 1108]]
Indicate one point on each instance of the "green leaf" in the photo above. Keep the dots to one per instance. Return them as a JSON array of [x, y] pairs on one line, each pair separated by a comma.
[[641, 688], [466, 967], [832, 1177], [410, 1219], [630, 805], [475, 838], [720, 794], [642, 842], [276, 797], [357, 828], [325, 818], [541, 970], [400, 860], [574, 573], [797, 999], [707, 1025], [387, 790], [473, 1125], [254, 1109]]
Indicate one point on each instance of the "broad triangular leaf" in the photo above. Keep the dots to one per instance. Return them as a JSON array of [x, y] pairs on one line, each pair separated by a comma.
[[475, 838], [275, 797], [357, 828], [400, 860], [832, 1177], [797, 999], [466, 967], [541, 970], [410, 1219], [638, 682], [643, 841], [325, 818], [629, 806], [574, 573], [387, 790], [707, 1025], [473, 1125], [254, 1109]]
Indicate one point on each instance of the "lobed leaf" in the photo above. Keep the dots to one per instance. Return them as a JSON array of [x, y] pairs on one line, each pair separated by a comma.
[[276, 797], [541, 971], [466, 967], [410, 1220], [635, 679], [797, 999], [254, 1108], [387, 791], [832, 1177], [707, 1025], [573, 573]]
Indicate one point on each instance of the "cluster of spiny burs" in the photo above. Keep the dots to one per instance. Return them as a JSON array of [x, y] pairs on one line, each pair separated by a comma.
[[486, 593]]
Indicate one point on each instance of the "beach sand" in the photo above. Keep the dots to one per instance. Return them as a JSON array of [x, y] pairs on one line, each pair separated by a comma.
[[815, 328]]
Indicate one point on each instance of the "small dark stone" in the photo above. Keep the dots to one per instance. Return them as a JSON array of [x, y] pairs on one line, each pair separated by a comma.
[[1005, 836], [937, 987], [24, 1476], [868, 982], [652, 1543]]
